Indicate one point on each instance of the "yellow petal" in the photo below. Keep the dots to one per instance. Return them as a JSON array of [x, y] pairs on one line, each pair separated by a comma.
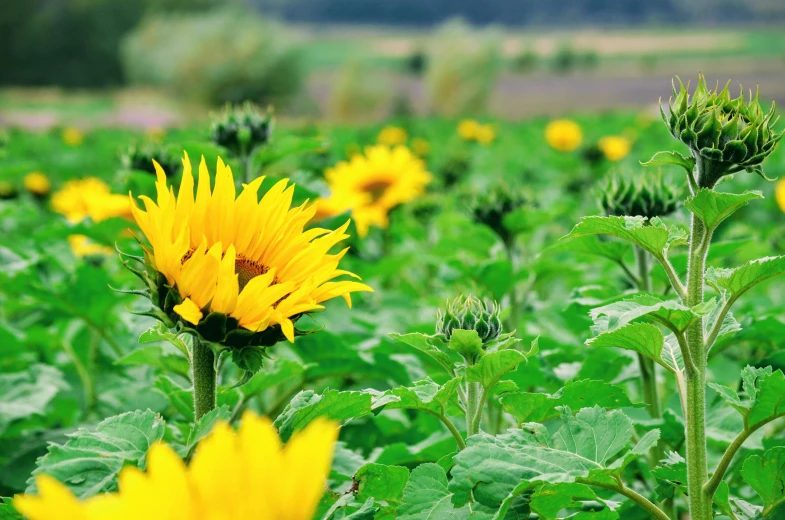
[[189, 311]]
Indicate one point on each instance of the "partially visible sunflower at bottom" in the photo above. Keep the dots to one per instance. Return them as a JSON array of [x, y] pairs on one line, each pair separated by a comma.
[[250, 475], [239, 270], [372, 184]]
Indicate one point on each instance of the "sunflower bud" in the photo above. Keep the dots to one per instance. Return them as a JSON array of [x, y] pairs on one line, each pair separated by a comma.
[[649, 196], [724, 135], [491, 207], [8, 191], [242, 129], [470, 313], [141, 156]]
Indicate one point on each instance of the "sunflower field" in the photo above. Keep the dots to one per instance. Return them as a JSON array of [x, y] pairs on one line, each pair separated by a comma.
[[432, 318]]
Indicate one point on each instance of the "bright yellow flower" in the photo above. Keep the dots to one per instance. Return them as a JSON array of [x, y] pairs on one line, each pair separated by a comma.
[[250, 475], [614, 147], [467, 129], [37, 183], [392, 136], [421, 146], [82, 246], [371, 185], [563, 135], [239, 256], [779, 194], [89, 197], [72, 136], [485, 134]]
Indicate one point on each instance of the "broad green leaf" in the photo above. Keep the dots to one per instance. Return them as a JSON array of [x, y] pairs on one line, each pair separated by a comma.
[[154, 356], [332, 404], [765, 395], [426, 497], [425, 395], [550, 499], [592, 245], [712, 207], [741, 279], [159, 332], [652, 235], [424, 344], [671, 476], [27, 393], [7, 511], [180, 398], [493, 366], [594, 434], [766, 475], [648, 307], [205, 425], [534, 407], [89, 462], [644, 338], [274, 373], [675, 158], [466, 342], [382, 483]]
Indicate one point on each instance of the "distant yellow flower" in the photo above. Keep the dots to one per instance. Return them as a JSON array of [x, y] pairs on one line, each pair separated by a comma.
[[779, 193], [236, 255], [421, 146], [467, 129], [38, 184], [72, 136], [245, 476], [156, 133], [392, 136], [82, 246], [371, 185], [485, 134], [89, 197], [614, 147], [563, 135]]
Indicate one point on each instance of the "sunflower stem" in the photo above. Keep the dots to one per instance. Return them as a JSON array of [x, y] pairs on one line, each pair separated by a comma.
[[204, 377]]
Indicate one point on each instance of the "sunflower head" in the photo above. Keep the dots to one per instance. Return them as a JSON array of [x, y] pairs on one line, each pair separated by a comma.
[[141, 156], [237, 270], [725, 135], [563, 135], [372, 184], [614, 147], [72, 136], [392, 136], [642, 195], [242, 129], [491, 207], [37, 184]]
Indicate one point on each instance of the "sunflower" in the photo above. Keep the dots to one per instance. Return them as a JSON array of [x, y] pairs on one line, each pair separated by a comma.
[[37, 184], [614, 147], [72, 136], [563, 135], [89, 197], [248, 475], [247, 259], [82, 246], [392, 136], [372, 184]]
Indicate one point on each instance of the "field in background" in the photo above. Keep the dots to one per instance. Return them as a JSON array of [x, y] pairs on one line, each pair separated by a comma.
[[626, 69]]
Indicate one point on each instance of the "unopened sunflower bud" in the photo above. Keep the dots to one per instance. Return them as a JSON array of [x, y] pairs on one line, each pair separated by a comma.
[[645, 195], [141, 156], [470, 313], [242, 129], [490, 207], [8, 191], [724, 135]]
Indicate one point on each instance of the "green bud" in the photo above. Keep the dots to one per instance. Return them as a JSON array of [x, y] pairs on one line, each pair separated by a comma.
[[470, 313], [642, 195], [725, 135], [242, 129], [8, 191], [490, 207], [455, 167], [141, 156]]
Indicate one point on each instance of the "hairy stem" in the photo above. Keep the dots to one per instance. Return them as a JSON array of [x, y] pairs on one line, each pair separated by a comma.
[[695, 376], [204, 378], [453, 430], [648, 373], [472, 401]]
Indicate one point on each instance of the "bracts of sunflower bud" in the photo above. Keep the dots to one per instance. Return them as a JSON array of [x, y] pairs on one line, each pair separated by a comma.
[[470, 313], [141, 157], [242, 129], [491, 207], [640, 195]]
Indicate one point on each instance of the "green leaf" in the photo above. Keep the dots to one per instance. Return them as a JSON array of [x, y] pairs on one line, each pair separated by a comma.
[[534, 407], [154, 356], [205, 425], [425, 395], [249, 359], [275, 373], [671, 476], [493, 366], [648, 307], [652, 235], [159, 332], [28, 393], [466, 343], [739, 280], [426, 496], [643, 338], [712, 207], [766, 475], [675, 158], [89, 462], [592, 245], [765, 395], [382, 483], [332, 404], [7, 511], [424, 344], [180, 398]]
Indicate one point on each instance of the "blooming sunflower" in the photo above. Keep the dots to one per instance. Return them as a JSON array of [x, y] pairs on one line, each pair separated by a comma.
[[89, 197], [392, 136], [563, 135], [246, 259], [82, 247], [467, 129], [250, 475], [372, 184], [72, 136], [37, 184], [614, 147], [779, 194]]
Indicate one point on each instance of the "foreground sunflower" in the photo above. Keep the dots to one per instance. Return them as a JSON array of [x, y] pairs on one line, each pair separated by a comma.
[[250, 475], [372, 184]]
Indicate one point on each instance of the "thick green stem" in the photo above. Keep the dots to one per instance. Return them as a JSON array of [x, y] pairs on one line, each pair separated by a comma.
[[695, 376], [204, 377], [472, 402], [453, 430], [648, 372]]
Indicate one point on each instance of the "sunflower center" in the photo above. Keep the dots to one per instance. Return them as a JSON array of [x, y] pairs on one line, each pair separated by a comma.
[[247, 270], [376, 189]]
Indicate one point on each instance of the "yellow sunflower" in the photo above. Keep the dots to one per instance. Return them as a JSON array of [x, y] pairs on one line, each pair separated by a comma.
[[392, 136], [779, 194], [485, 134], [250, 475], [82, 247], [614, 147], [372, 184], [37, 184], [72, 136], [563, 135], [467, 129], [246, 258], [89, 197]]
